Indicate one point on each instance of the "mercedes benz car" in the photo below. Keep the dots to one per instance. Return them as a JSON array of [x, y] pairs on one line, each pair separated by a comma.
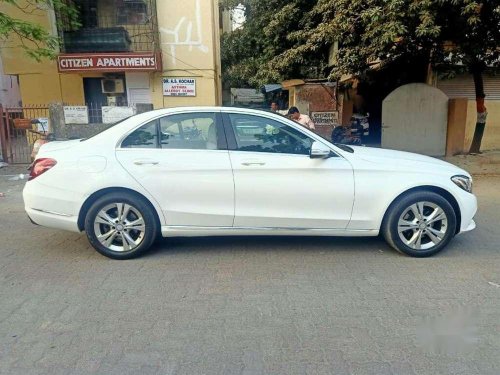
[[214, 171]]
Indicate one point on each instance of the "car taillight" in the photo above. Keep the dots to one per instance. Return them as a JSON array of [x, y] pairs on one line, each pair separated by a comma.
[[41, 166]]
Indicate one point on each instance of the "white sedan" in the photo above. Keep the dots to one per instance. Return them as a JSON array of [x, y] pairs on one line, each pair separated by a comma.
[[224, 171]]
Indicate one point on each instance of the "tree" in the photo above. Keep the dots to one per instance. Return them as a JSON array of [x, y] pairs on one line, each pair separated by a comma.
[[269, 31], [32, 37], [447, 33]]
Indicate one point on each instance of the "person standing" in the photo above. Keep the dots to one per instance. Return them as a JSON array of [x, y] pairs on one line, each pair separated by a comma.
[[303, 120]]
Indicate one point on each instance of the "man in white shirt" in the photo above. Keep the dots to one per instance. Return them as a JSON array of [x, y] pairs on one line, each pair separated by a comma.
[[303, 120]]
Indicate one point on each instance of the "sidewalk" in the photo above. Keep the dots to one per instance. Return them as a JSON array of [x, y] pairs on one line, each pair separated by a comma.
[[14, 169], [487, 163]]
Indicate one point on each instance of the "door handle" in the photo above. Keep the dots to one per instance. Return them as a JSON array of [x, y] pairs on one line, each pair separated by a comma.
[[248, 163], [145, 162]]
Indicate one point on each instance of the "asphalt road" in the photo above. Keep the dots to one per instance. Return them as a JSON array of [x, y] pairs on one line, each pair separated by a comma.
[[248, 305]]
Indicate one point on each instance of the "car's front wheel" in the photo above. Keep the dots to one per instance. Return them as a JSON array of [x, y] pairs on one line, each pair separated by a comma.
[[120, 225], [420, 224]]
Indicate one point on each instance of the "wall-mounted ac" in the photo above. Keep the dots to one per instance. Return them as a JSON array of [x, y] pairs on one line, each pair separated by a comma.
[[112, 86]]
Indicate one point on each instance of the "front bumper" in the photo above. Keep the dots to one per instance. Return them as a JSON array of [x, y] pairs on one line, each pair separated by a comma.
[[472, 226], [468, 209]]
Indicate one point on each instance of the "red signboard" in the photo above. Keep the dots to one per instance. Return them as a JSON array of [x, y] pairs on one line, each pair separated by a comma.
[[108, 62]]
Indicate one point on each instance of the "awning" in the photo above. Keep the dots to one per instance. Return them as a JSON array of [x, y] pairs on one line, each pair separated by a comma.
[[272, 87]]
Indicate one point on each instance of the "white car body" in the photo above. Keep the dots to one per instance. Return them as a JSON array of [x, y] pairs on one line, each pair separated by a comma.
[[228, 192]]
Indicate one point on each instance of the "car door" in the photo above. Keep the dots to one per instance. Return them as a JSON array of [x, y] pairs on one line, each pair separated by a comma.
[[183, 162], [278, 184]]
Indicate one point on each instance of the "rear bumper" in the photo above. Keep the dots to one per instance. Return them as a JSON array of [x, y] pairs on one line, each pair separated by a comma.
[[50, 207], [53, 219]]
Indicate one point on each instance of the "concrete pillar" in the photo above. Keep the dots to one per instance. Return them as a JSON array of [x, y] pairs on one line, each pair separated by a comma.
[[457, 123], [57, 124]]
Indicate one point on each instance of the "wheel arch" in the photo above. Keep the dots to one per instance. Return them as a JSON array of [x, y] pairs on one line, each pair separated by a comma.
[[100, 193], [435, 189]]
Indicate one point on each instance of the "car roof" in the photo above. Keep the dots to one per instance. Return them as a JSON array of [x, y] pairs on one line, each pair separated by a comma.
[[146, 116], [161, 111]]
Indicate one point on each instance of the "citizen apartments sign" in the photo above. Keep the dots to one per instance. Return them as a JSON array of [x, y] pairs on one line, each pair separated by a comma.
[[108, 62]]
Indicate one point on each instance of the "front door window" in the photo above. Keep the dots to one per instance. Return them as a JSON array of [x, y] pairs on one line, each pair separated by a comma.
[[260, 134]]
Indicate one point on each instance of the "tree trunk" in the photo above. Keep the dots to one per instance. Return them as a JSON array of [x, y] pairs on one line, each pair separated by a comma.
[[481, 111]]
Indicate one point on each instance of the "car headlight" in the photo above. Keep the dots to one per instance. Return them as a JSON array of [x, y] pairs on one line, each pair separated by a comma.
[[463, 182]]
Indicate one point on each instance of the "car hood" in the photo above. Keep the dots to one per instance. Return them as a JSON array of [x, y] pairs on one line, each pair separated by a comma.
[[402, 159]]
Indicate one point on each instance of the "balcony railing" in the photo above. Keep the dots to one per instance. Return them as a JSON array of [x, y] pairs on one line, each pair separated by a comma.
[[111, 26]]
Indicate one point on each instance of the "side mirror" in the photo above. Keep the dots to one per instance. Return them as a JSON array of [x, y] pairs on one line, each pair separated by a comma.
[[320, 151]]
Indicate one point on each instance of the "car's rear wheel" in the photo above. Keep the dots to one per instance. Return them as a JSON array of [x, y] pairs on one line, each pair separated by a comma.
[[120, 225], [420, 224]]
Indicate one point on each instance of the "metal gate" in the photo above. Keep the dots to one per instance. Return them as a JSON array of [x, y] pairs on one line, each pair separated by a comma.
[[18, 132]]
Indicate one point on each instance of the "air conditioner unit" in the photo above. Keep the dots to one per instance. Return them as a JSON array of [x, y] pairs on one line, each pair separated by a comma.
[[112, 86]]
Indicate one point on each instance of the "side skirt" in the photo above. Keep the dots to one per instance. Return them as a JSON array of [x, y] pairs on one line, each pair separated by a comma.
[[192, 231]]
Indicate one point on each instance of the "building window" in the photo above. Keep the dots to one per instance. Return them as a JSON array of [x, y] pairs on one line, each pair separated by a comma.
[[131, 12]]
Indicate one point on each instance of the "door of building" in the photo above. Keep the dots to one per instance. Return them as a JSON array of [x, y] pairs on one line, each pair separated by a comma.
[[94, 98], [415, 118]]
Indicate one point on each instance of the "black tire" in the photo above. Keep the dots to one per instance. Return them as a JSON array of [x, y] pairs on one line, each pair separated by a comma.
[[140, 210], [400, 206]]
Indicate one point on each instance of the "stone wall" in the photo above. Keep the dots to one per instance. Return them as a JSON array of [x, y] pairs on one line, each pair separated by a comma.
[[61, 130]]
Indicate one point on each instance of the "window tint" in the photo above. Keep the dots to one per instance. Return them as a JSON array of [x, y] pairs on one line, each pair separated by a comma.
[[144, 137], [196, 131], [254, 133]]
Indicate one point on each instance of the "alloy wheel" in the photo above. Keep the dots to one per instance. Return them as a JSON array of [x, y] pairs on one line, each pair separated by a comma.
[[119, 227], [423, 225]]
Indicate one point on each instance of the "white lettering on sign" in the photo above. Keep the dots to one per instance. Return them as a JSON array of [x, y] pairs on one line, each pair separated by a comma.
[[107, 62], [179, 87], [77, 63], [125, 62], [76, 114], [325, 118]]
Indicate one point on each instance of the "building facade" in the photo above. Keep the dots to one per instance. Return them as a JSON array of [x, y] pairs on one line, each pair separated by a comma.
[[124, 52]]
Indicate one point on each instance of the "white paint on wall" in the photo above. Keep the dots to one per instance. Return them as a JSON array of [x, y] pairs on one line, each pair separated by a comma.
[[184, 26]]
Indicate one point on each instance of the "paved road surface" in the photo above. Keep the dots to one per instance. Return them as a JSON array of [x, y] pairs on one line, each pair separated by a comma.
[[248, 305]]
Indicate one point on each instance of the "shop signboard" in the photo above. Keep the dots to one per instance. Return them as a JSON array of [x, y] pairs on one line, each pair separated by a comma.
[[325, 118], [76, 114], [108, 62], [179, 87], [113, 114]]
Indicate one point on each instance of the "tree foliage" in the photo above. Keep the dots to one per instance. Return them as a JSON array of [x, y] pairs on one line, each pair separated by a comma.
[[271, 28], [285, 39], [32, 37]]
